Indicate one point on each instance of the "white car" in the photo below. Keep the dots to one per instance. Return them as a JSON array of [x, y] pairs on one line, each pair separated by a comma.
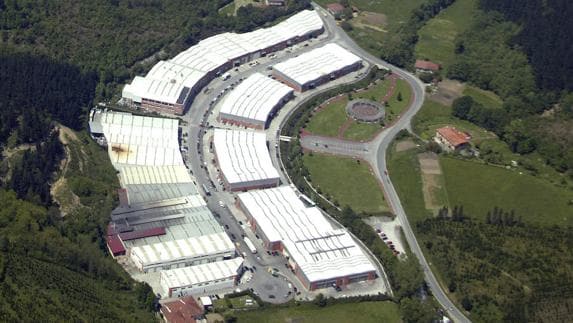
[[221, 204]]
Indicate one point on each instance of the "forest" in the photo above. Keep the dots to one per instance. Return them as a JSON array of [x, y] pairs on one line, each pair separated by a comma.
[[546, 37], [116, 38], [503, 270]]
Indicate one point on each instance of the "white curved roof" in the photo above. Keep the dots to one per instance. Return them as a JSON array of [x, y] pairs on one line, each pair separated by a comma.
[[317, 63], [243, 156], [183, 249], [211, 53], [254, 98], [204, 273], [321, 251]]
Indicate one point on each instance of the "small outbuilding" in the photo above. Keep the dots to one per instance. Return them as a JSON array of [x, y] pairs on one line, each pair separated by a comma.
[[426, 66], [185, 310], [336, 9]]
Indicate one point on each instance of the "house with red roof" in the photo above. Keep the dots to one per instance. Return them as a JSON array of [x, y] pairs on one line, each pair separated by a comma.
[[451, 139], [184, 310], [336, 9], [426, 66]]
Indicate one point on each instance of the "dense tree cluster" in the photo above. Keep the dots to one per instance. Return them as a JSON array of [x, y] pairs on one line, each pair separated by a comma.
[[399, 48], [32, 176], [48, 276], [113, 37], [35, 90], [546, 37], [503, 270]]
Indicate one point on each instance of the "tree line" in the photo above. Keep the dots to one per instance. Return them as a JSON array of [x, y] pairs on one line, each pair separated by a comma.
[[502, 269], [545, 37]]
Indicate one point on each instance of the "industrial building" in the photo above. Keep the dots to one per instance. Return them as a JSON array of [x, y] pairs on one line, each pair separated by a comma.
[[137, 140], [316, 67], [170, 86], [201, 279], [254, 102], [182, 253], [319, 254], [244, 159], [162, 222]]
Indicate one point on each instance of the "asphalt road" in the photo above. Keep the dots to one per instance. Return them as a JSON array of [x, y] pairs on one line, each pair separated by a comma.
[[379, 146], [200, 110]]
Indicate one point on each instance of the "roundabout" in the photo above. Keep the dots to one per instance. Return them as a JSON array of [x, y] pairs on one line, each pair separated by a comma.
[[365, 110]]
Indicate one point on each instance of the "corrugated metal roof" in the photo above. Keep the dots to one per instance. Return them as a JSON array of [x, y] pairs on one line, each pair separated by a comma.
[[321, 251], [317, 63], [253, 99], [243, 156]]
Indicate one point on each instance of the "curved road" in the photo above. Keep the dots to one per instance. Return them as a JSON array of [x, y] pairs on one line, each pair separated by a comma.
[[377, 158]]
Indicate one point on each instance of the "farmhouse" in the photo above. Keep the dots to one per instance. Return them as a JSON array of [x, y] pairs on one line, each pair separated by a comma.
[[426, 66], [451, 139]]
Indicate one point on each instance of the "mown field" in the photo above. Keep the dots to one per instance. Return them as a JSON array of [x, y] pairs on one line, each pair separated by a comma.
[[348, 181], [404, 170], [329, 120], [479, 188], [366, 312], [437, 38]]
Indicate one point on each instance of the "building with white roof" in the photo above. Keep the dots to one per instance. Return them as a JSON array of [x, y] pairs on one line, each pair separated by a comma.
[[182, 253], [254, 102], [138, 140], [201, 279], [171, 85], [162, 221], [316, 67], [320, 254], [244, 159]]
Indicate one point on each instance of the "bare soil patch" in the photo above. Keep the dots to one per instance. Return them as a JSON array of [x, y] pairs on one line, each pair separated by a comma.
[[429, 164], [374, 18], [432, 181], [448, 91], [405, 145]]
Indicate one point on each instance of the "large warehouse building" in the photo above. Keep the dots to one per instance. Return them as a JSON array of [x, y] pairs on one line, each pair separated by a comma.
[[316, 67], [244, 159], [162, 222], [138, 140], [182, 253], [171, 85], [254, 102], [320, 254], [201, 279]]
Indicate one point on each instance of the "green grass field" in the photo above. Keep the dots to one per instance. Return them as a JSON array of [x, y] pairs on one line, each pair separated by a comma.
[[486, 98], [437, 38], [404, 169], [361, 131], [347, 181], [366, 312], [480, 187], [395, 106], [328, 120]]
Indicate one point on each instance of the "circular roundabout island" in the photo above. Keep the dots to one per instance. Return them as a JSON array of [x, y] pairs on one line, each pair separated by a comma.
[[365, 110]]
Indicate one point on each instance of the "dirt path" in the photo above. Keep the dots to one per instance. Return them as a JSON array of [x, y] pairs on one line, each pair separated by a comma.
[[344, 127], [393, 80]]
